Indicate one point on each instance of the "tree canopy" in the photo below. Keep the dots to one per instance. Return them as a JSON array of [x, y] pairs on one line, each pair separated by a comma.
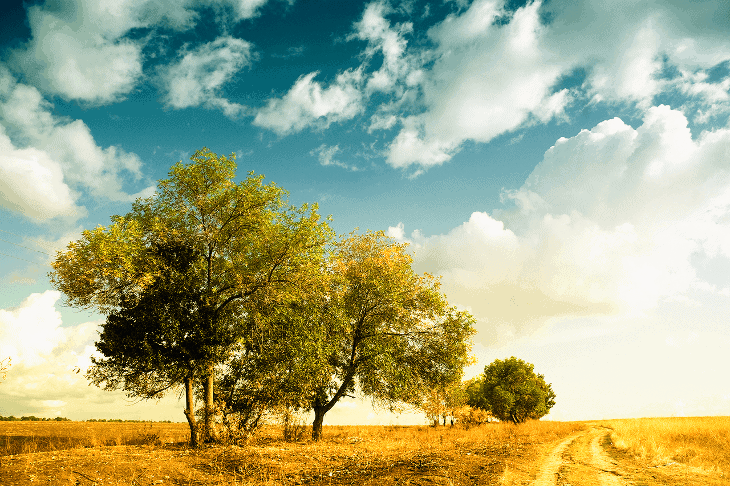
[[386, 331], [177, 271], [511, 391]]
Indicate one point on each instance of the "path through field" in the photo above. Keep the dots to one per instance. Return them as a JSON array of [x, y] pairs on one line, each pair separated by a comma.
[[582, 460]]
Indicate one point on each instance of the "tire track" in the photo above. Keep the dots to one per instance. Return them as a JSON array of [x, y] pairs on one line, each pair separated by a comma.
[[548, 473], [581, 460]]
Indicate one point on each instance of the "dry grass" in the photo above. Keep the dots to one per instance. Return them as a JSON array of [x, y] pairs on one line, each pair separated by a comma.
[[698, 442], [29, 437], [346, 455]]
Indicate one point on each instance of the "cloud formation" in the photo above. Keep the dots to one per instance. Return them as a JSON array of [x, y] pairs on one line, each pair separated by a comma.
[[486, 70], [611, 221], [309, 103], [57, 154], [31, 183], [49, 360], [198, 76], [81, 49], [45, 354]]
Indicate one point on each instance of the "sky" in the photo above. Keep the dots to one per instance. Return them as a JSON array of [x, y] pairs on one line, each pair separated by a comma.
[[563, 165]]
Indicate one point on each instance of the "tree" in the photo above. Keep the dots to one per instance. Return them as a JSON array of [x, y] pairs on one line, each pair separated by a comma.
[[511, 391], [4, 367], [208, 248], [446, 401], [384, 330]]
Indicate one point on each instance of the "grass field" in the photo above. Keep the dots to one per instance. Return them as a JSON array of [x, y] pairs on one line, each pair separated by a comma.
[[699, 442], [142, 454], [80, 453]]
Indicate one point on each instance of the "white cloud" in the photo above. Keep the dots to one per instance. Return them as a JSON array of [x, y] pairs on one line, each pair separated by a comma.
[[64, 153], [76, 51], [308, 103], [46, 355], [382, 38], [609, 222], [79, 49], [326, 156], [31, 183], [198, 77], [486, 80]]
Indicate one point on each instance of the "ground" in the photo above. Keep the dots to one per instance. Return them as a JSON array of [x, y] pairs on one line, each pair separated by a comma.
[[539, 453]]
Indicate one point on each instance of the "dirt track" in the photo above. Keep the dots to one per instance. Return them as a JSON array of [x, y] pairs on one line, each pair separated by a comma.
[[583, 459]]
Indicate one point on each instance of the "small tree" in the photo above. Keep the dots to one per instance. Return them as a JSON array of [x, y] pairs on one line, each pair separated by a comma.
[[384, 330], [444, 402], [511, 391]]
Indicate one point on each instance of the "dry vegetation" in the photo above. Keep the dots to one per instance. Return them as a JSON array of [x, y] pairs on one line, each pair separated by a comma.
[[700, 443], [144, 454], [662, 451]]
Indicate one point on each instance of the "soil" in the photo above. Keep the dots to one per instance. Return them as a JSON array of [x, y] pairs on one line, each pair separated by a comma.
[[590, 458]]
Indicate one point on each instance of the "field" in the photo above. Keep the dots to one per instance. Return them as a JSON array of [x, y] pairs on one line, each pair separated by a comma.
[[698, 445], [550, 453]]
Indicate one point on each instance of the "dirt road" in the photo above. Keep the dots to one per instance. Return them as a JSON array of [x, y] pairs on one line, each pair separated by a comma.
[[583, 460]]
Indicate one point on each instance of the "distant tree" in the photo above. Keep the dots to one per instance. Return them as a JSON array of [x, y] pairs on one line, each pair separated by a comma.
[[194, 257], [444, 402], [511, 391], [385, 331], [4, 367]]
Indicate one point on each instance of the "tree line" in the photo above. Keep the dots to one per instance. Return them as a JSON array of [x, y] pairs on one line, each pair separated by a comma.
[[251, 304]]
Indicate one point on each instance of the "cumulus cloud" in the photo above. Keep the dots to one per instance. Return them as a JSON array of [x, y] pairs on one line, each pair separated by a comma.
[[198, 76], [309, 103], [387, 40], [59, 154], [80, 49], [31, 183], [611, 221], [625, 57], [487, 79], [488, 70], [49, 359], [44, 355]]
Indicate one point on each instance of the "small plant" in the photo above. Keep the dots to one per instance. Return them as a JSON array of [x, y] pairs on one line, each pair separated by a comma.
[[294, 425]]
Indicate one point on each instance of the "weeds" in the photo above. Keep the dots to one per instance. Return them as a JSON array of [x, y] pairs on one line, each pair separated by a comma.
[[700, 442]]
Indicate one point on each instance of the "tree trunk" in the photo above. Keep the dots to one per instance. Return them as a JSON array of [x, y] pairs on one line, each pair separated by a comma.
[[318, 421], [209, 432], [190, 412]]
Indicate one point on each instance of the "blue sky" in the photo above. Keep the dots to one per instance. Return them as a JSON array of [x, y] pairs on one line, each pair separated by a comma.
[[563, 165]]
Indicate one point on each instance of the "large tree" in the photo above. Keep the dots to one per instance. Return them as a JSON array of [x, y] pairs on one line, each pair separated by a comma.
[[218, 248], [385, 330], [511, 391]]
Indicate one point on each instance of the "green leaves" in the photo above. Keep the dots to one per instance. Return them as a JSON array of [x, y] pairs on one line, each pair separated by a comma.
[[389, 331], [511, 391], [180, 274]]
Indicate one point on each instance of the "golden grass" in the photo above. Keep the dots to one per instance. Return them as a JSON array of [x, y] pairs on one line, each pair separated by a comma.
[[381, 455], [29, 437], [699, 442]]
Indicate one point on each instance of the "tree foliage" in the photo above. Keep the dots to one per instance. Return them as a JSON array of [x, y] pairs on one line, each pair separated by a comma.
[[4, 367], [384, 330], [511, 391], [177, 273]]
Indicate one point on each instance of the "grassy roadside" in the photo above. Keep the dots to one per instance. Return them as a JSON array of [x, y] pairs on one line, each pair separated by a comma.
[[379, 455], [673, 448]]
